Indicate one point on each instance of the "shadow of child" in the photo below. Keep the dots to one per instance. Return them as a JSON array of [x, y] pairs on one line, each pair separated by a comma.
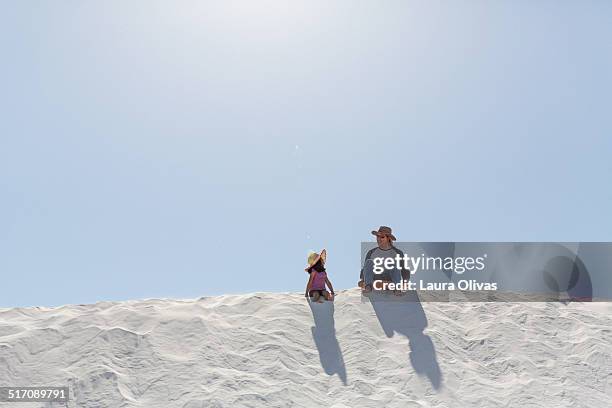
[[324, 336]]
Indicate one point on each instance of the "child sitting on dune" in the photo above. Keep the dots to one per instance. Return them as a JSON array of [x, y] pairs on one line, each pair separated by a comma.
[[318, 278]]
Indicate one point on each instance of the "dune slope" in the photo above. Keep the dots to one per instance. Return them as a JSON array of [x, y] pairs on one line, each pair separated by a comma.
[[277, 350]]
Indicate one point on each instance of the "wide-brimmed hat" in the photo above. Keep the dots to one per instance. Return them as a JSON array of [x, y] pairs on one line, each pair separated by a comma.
[[382, 230], [314, 257]]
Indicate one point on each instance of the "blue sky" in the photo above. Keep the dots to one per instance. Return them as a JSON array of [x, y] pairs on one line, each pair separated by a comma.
[[182, 149]]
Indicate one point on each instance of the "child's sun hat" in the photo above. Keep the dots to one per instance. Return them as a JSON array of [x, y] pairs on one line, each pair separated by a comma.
[[314, 257]]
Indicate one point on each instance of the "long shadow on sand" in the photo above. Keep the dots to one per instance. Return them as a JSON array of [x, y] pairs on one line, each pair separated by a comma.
[[324, 335], [405, 315]]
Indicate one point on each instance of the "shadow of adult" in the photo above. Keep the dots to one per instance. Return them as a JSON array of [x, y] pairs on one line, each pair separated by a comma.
[[324, 336], [405, 315]]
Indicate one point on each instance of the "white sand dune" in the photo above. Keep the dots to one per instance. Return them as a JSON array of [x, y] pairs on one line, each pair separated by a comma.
[[277, 350]]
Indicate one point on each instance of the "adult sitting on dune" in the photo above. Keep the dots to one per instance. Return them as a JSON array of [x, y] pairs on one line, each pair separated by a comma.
[[385, 249]]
